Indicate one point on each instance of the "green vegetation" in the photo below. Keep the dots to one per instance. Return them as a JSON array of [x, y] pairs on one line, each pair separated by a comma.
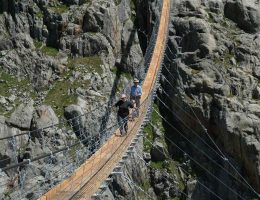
[[121, 74], [195, 71], [133, 8], [23, 148], [117, 2], [172, 168], [169, 164], [47, 50], [7, 194], [224, 60], [39, 14], [148, 129], [156, 119], [117, 70], [50, 51], [38, 44], [73, 150], [91, 63], [157, 165], [149, 136], [58, 97], [145, 186], [59, 8], [9, 82]]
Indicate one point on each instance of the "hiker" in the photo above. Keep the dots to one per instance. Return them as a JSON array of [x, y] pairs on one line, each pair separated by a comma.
[[135, 95], [122, 114]]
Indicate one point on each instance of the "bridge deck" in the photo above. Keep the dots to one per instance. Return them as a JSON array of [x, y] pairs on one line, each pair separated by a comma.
[[86, 180]]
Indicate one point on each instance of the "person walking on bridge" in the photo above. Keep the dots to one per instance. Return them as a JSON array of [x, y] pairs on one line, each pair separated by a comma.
[[135, 95], [123, 112]]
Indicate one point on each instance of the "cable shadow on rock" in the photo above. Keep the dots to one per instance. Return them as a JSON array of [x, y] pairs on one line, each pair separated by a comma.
[[120, 70]]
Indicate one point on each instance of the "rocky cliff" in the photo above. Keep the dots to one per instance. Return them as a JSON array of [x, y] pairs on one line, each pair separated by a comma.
[[213, 63], [58, 60], [62, 58]]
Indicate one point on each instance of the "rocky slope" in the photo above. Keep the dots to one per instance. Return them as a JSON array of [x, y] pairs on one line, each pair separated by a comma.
[[60, 59], [214, 60]]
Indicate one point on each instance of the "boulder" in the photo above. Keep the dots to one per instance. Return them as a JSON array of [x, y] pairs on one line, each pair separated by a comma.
[[22, 116], [216, 6], [76, 118], [191, 186], [5, 44], [44, 116], [245, 13], [197, 36], [158, 151]]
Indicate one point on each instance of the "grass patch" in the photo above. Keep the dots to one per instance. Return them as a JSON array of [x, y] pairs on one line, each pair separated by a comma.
[[148, 131], [38, 44], [157, 165], [58, 96], [9, 82], [195, 71], [59, 8], [73, 150], [39, 14], [172, 168], [117, 2], [120, 73], [225, 61], [50, 51], [145, 186], [156, 119], [91, 63], [133, 8], [117, 70]]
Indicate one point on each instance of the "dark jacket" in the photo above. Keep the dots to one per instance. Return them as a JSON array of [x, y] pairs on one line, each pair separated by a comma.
[[123, 108]]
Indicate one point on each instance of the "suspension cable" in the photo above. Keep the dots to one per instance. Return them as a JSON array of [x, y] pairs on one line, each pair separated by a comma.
[[205, 130], [202, 167], [212, 192], [195, 146]]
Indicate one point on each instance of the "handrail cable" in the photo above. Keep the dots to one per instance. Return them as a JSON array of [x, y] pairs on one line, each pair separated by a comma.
[[67, 148], [142, 104], [46, 155]]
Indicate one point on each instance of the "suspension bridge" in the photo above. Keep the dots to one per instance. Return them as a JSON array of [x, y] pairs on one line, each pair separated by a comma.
[[90, 175], [88, 161], [83, 181]]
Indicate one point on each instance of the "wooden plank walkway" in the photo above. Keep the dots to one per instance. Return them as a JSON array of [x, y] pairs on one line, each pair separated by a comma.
[[86, 180]]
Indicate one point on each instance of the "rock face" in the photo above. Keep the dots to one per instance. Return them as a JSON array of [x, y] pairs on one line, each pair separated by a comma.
[[245, 13], [135, 174], [215, 69], [22, 117], [216, 74], [44, 116], [158, 152], [67, 51]]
